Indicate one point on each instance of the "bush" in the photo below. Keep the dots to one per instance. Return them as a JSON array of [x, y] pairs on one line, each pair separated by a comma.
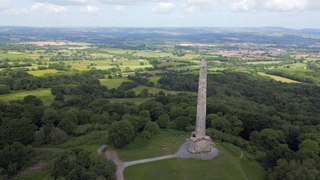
[[58, 136], [84, 129], [40, 137], [32, 100], [13, 157], [163, 121], [121, 133], [181, 123], [79, 164], [152, 128], [4, 89], [67, 126]]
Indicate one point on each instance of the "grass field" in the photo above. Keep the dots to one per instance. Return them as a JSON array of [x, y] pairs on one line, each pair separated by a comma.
[[43, 94], [152, 90], [17, 55], [167, 142], [45, 72], [227, 165], [155, 79], [264, 62], [278, 78], [112, 83]]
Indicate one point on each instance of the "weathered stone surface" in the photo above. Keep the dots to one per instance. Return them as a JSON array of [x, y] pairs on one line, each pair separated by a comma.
[[199, 142], [185, 153]]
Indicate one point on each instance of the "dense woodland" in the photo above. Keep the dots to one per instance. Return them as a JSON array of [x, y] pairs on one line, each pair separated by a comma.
[[278, 123]]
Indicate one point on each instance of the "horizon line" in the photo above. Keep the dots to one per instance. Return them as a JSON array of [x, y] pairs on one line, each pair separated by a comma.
[[163, 27]]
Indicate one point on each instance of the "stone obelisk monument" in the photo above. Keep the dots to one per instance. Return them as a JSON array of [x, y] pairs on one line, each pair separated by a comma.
[[199, 142]]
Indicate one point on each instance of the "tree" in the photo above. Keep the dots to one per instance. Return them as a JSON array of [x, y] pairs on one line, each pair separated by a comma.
[[221, 124], [163, 121], [19, 130], [293, 170], [176, 111], [67, 126], [310, 146], [84, 116], [266, 139], [104, 168], [152, 128], [4, 89], [121, 133], [78, 164], [32, 100], [14, 156], [100, 119], [50, 117], [155, 109], [236, 125], [130, 94], [58, 136], [181, 123], [137, 122]]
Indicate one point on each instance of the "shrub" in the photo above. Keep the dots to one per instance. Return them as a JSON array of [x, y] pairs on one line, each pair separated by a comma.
[[79, 164], [13, 157], [121, 133]]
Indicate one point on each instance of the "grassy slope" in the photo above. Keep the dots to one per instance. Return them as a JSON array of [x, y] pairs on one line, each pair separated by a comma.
[[224, 166], [278, 78], [167, 142], [152, 90], [43, 94], [112, 83], [228, 164], [40, 73]]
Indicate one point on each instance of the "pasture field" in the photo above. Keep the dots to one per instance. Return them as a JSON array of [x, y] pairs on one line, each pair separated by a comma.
[[41, 73], [279, 78], [108, 64], [264, 62], [152, 90], [113, 83], [17, 55], [155, 79], [43, 94], [303, 74], [148, 54]]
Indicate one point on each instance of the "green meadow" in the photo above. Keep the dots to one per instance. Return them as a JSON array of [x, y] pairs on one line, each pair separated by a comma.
[[43, 94], [227, 165]]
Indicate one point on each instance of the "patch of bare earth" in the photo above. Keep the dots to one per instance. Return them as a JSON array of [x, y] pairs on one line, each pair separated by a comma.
[[32, 169]]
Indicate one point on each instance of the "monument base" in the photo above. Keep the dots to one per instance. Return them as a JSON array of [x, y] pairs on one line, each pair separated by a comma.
[[202, 144]]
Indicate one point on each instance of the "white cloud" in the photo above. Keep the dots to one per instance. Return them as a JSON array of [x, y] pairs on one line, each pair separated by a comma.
[[126, 2], [120, 8], [90, 9], [272, 5], [48, 8], [163, 7], [5, 4], [200, 2], [17, 11], [66, 2]]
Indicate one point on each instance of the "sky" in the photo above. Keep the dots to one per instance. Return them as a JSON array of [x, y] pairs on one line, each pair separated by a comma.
[[161, 13]]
